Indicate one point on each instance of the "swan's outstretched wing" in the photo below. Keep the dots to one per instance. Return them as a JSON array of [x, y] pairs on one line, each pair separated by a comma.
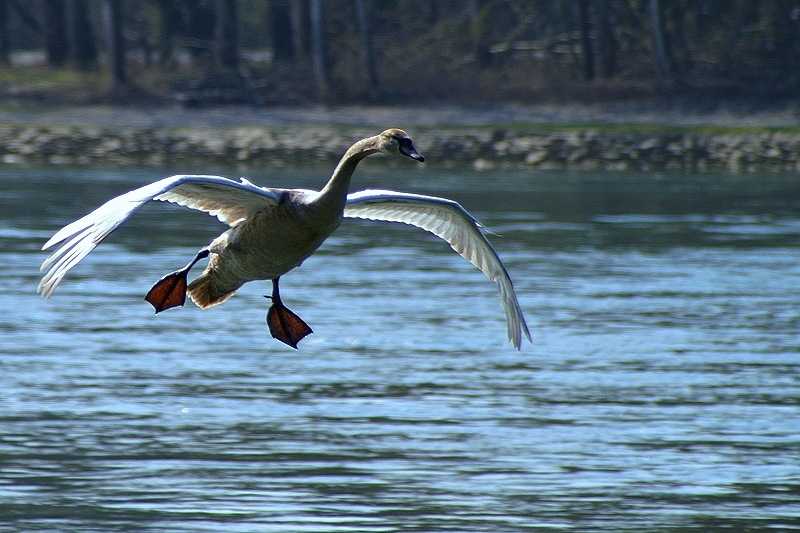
[[230, 201], [448, 220]]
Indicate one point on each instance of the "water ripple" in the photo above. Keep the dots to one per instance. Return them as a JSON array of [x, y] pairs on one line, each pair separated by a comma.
[[661, 392]]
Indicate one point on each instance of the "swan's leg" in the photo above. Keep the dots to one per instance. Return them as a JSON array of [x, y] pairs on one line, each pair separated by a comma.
[[170, 291], [284, 325]]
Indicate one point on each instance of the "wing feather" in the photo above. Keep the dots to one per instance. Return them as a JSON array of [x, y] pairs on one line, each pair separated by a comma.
[[449, 221], [230, 201]]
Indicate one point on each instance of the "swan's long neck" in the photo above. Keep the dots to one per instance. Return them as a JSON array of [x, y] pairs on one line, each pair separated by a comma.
[[334, 194]]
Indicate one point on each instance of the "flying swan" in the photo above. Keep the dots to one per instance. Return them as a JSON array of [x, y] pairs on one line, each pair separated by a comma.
[[273, 230]]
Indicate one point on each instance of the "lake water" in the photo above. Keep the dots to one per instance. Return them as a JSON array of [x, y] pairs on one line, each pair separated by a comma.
[[661, 392]]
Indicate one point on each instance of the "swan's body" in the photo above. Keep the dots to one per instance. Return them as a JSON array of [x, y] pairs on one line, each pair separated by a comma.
[[273, 230]]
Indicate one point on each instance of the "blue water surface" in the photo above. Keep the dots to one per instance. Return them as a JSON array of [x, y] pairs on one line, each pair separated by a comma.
[[661, 392]]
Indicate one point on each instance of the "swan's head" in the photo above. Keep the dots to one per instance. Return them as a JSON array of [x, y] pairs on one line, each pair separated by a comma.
[[395, 141]]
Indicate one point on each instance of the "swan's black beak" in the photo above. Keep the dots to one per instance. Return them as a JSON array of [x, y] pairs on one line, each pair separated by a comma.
[[406, 148]]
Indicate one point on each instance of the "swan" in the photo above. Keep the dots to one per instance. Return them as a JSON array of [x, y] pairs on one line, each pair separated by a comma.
[[273, 230]]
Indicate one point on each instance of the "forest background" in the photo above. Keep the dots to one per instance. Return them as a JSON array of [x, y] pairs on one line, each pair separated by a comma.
[[290, 52]]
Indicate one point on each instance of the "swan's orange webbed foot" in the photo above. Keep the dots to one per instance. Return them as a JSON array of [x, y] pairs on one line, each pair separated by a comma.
[[169, 291], [286, 326]]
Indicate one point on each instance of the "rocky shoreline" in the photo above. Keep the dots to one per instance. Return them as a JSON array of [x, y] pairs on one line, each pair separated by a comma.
[[609, 147]]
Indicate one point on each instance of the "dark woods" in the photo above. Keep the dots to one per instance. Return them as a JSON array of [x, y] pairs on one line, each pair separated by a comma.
[[282, 51]]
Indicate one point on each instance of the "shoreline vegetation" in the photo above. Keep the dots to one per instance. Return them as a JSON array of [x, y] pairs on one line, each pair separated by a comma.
[[580, 85], [539, 139]]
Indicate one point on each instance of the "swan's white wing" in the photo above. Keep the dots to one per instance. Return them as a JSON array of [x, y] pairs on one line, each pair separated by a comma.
[[230, 201], [448, 220]]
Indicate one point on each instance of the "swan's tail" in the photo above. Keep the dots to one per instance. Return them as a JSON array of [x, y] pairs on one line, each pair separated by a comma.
[[206, 291]]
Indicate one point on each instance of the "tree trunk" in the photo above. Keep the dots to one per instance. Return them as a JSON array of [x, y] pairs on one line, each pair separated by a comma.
[[55, 32], [585, 28], [112, 13], [296, 17], [5, 49], [281, 31], [170, 19], [478, 15], [82, 50], [606, 44], [659, 43], [366, 49], [226, 35], [783, 28], [318, 50]]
